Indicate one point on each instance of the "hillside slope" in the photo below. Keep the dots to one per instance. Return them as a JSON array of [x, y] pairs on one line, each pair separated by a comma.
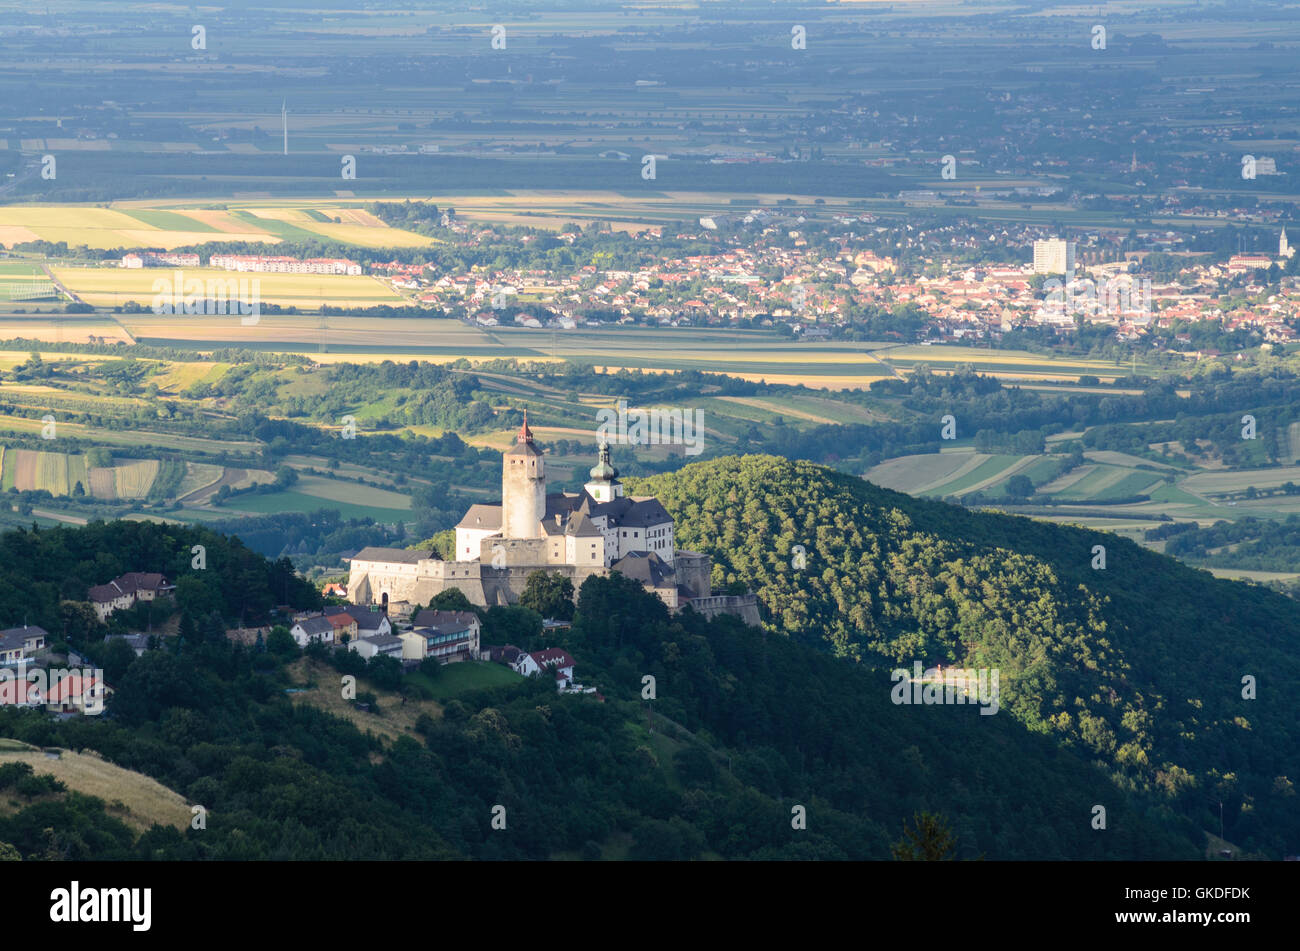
[[1138, 666]]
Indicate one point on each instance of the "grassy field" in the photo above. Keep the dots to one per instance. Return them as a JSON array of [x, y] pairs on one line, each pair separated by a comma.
[[341, 490], [294, 501], [1014, 364], [178, 376], [198, 475], [317, 685], [1105, 493], [1238, 480], [455, 679], [136, 799]]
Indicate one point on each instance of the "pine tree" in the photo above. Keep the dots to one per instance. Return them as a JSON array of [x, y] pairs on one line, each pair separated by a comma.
[[929, 840]]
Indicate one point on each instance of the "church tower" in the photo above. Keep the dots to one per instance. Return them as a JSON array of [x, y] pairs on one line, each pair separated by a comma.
[[604, 485], [523, 487], [1284, 248]]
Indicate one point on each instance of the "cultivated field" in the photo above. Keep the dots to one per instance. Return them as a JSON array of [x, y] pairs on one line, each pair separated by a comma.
[[129, 225], [754, 355], [1007, 364], [58, 473], [131, 437], [112, 286], [60, 328]]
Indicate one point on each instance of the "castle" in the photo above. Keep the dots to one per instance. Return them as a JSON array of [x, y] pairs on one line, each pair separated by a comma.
[[592, 532]]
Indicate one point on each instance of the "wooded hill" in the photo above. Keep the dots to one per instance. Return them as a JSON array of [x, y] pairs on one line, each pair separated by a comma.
[[1138, 667], [1119, 688]]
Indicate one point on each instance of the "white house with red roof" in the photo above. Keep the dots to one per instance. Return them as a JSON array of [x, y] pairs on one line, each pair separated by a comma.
[[556, 659]]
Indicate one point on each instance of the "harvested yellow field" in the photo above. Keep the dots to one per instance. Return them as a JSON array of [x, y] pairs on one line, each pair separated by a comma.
[[103, 483], [93, 227], [16, 234], [135, 478], [116, 227], [773, 407], [355, 216], [137, 238], [112, 286], [367, 236], [138, 800], [11, 358], [292, 215], [223, 221], [59, 329], [51, 472]]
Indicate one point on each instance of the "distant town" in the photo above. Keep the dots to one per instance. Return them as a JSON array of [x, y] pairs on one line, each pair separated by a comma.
[[815, 288]]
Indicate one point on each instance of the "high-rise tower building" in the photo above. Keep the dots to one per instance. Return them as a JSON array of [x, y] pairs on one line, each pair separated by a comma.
[[1054, 256]]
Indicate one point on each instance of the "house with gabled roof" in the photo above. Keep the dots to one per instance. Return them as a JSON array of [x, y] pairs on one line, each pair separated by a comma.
[[125, 590], [312, 629], [18, 644], [530, 664]]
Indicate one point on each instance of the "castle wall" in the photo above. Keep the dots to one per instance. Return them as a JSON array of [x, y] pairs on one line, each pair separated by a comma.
[[398, 581], [743, 605]]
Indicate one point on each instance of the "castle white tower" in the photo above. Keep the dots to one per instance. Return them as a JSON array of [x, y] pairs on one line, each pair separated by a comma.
[[523, 487]]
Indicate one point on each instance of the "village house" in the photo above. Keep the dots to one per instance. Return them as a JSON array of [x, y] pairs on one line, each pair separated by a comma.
[[361, 620], [450, 636], [61, 691], [78, 692], [313, 629], [454, 634], [18, 644], [555, 662], [500, 654], [345, 627], [126, 590], [530, 664], [137, 642], [387, 645], [20, 693]]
